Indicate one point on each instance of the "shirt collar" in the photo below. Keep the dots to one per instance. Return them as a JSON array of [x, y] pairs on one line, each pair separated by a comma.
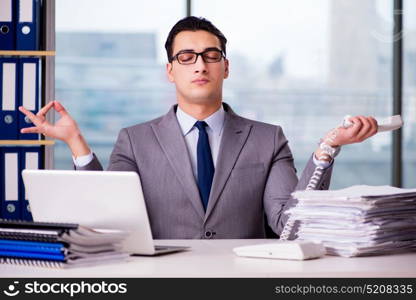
[[215, 121]]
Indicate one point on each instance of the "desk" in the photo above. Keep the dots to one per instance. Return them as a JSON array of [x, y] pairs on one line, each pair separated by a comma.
[[214, 258]]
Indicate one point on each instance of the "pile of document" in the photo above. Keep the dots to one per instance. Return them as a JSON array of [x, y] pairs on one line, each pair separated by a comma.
[[58, 245], [357, 221]]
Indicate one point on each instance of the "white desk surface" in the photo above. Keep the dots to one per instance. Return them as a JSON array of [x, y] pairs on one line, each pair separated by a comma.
[[215, 258]]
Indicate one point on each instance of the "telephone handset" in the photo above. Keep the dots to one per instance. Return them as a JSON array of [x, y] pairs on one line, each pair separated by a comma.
[[387, 124]]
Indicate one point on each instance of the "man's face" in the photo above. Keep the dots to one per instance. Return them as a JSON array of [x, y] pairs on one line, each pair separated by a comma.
[[199, 83]]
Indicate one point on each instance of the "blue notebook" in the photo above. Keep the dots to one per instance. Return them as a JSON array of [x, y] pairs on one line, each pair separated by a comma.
[[26, 246], [29, 248], [61, 245], [33, 255]]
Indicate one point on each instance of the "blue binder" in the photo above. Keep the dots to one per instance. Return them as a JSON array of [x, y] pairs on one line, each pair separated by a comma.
[[9, 120], [33, 255], [30, 246], [7, 25], [30, 158], [27, 25], [9, 183], [28, 93]]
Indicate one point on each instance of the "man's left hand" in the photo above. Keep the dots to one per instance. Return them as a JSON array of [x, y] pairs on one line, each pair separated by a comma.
[[361, 129]]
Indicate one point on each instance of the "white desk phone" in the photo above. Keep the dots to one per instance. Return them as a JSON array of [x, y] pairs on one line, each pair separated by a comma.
[[302, 249]]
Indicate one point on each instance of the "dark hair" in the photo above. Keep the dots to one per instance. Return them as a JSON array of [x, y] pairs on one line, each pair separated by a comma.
[[193, 24]]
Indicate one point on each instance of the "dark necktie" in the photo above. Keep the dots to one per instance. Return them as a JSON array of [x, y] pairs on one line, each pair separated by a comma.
[[205, 163]]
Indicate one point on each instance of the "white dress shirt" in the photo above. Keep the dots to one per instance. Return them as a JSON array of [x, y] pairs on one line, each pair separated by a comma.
[[191, 133]]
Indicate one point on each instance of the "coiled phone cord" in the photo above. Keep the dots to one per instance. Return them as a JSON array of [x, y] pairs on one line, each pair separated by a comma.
[[327, 152]]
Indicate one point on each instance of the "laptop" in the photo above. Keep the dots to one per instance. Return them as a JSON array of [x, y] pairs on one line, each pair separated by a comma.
[[97, 199]]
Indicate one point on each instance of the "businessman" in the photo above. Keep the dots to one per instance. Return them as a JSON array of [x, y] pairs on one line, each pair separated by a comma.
[[206, 172]]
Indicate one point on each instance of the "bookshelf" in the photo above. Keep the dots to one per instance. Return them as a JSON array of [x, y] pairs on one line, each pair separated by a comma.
[[27, 142], [25, 153], [27, 53], [47, 60]]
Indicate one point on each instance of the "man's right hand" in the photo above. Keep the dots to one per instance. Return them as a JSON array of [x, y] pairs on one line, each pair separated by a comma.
[[65, 129]]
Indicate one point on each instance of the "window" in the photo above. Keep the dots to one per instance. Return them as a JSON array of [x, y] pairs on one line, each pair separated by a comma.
[[300, 64], [304, 65], [409, 94], [110, 67]]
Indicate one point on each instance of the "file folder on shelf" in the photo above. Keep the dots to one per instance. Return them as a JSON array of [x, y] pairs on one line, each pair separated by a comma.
[[7, 25], [9, 120], [30, 158], [28, 94], [27, 25], [9, 183]]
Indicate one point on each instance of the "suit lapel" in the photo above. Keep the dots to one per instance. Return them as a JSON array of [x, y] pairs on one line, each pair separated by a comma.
[[233, 139], [169, 136]]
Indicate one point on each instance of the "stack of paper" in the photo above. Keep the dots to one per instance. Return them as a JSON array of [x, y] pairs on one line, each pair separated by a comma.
[[359, 220], [58, 245]]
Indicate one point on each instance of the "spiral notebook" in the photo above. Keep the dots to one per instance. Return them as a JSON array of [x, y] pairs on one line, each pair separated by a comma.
[[58, 244]]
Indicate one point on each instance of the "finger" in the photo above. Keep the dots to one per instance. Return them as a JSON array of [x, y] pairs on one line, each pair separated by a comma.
[[32, 117], [356, 126], [374, 125], [30, 130], [365, 129], [60, 108], [45, 109], [371, 130]]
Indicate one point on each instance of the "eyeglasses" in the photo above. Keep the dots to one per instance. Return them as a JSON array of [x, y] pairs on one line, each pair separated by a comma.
[[188, 57]]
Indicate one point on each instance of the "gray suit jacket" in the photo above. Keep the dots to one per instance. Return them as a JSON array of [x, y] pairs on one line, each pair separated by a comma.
[[254, 178]]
